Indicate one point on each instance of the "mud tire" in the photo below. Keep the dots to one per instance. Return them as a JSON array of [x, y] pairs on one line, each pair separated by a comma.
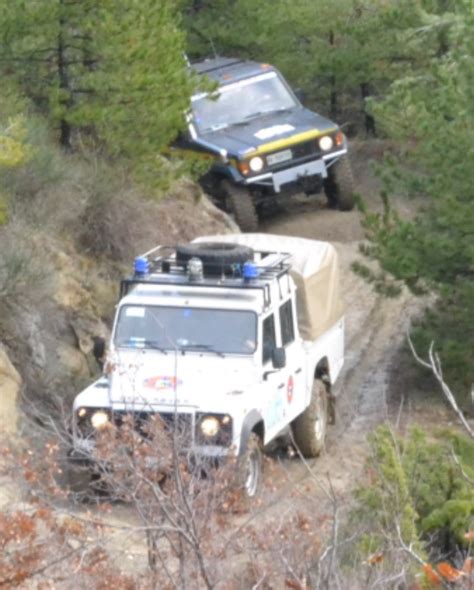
[[339, 186], [309, 428], [241, 206], [250, 468]]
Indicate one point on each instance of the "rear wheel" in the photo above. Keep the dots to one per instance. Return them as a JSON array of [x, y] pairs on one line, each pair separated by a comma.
[[240, 203], [309, 428], [339, 185]]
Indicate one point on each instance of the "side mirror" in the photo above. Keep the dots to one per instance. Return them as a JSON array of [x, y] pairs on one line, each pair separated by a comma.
[[98, 350], [279, 358]]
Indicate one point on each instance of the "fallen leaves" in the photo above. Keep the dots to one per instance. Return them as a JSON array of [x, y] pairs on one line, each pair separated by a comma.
[[449, 573], [432, 577]]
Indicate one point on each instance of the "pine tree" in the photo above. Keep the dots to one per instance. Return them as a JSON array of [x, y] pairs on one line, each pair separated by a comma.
[[339, 53], [116, 66], [431, 113]]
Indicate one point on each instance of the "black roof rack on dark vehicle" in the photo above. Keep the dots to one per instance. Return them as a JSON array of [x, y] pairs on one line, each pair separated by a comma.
[[215, 63], [225, 70]]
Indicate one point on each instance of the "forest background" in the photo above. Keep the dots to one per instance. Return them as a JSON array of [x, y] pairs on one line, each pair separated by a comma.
[[107, 82]]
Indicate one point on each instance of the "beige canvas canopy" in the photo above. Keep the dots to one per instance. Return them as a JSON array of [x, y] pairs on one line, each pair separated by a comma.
[[315, 271]]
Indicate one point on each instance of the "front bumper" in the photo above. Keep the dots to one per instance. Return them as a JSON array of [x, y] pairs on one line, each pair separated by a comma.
[[82, 456], [182, 427], [276, 180]]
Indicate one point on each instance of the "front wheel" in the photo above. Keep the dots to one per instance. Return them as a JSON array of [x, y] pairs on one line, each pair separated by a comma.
[[339, 185], [250, 467], [309, 428], [241, 205]]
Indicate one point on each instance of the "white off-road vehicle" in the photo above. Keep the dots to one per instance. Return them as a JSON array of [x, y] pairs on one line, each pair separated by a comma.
[[238, 337]]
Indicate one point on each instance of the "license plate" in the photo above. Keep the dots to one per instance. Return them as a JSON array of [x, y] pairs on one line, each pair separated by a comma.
[[279, 157]]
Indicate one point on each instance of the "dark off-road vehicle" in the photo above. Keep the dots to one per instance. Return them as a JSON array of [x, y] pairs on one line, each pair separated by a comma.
[[263, 142]]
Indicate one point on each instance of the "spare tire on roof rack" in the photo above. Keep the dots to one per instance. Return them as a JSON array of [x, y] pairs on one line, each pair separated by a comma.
[[217, 257]]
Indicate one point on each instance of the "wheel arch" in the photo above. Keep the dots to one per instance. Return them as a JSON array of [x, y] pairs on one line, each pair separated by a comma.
[[323, 373], [253, 422]]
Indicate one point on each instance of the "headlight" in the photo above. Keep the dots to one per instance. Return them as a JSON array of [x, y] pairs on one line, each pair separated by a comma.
[[256, 164], [99, 419], [326, 143], [210, 426]]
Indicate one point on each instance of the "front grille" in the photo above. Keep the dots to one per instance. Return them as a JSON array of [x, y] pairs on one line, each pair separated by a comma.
[[300, 153], [179, 424], [307, 148]]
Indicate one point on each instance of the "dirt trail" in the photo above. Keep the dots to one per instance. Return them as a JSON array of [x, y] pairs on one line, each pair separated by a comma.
[[375, 329]]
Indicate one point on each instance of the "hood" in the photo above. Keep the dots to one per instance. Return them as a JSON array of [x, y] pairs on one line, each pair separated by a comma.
[[194, 380], [242, 138]]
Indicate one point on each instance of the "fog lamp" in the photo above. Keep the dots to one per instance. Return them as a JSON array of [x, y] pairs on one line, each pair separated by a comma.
[[210, 426]]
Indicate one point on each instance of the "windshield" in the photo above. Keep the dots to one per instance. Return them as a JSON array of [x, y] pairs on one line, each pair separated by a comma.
[[240, 102], [185, 328]]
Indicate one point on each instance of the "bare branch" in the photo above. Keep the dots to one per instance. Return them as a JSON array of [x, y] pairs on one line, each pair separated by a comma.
[[434, 365]]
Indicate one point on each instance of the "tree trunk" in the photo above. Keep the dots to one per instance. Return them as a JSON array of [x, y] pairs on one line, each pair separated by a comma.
[[333, 106], [65, 127], [369, 121]]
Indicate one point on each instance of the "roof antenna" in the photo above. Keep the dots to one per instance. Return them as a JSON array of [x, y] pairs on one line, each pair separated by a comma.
[[199, 33]]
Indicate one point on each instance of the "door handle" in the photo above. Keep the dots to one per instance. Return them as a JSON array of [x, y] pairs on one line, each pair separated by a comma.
[[298, 370]]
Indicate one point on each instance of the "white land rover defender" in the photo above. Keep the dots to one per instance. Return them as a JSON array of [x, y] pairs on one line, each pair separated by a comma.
[[240, 337]]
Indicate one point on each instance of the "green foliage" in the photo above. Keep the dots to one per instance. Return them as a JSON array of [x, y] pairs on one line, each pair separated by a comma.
[[430, 111], [448, 325], [3, 209], [391, 496], [422, 485], [330, 49], [142, 85], [115, 69]]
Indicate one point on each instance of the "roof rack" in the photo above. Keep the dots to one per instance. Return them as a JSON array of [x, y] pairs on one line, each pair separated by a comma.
[[215, 63], [160, 267]]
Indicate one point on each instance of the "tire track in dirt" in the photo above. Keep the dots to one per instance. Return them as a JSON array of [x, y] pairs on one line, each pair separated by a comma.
[[375, 329]]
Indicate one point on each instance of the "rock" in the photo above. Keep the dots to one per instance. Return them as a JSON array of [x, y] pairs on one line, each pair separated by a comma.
[[73, 361], [215, 213], [70, 293], [10, 388]]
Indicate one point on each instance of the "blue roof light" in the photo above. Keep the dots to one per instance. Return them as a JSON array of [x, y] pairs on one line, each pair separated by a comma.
[[250, 271], [141, 266]]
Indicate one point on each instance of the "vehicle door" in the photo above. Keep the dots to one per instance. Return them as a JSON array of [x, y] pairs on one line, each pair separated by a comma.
[[293, 374], [273, 381]]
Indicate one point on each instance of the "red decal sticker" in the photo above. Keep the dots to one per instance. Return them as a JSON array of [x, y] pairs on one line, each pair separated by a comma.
[[289, 389], [162, 382]]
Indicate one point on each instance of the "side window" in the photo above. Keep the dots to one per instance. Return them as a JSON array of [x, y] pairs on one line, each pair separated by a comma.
[[286, 323], [269, 341]]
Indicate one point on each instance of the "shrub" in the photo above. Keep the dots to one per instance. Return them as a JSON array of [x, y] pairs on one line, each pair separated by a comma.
[[424, 486]]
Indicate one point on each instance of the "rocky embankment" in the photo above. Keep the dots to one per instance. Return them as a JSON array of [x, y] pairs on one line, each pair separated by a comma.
[[46, 340]]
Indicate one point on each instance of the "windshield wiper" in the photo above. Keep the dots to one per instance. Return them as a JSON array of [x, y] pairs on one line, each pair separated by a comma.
[[154, 346], [206, 347], [141, 344], [218, 126], [269, 112]]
